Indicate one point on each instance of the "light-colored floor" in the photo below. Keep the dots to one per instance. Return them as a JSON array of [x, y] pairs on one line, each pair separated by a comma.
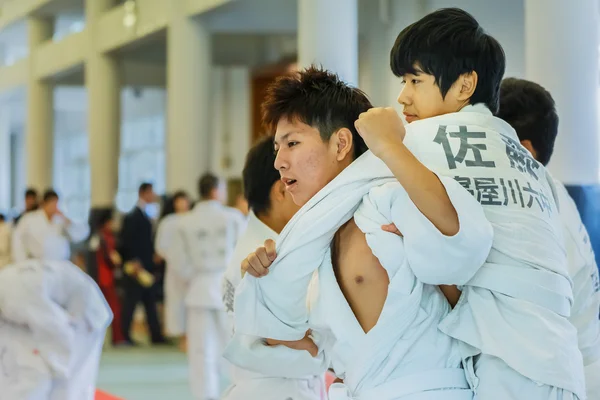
[[145, 373]]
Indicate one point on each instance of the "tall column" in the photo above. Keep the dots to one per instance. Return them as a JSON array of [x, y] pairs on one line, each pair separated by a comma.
[[328, 36], [188, 107], [40, 113], [5, 157], [562, 55], [103, 86]]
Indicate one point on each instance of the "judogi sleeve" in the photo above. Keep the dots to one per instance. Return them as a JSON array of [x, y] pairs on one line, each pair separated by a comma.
[[19, 252], [439, 259], [77, 231]]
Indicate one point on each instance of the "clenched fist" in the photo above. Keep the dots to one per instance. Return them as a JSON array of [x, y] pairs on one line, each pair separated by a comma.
[[381, 128], [257, 264]]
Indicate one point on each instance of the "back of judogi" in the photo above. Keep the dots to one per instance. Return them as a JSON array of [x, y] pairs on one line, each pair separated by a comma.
[[204, 243]]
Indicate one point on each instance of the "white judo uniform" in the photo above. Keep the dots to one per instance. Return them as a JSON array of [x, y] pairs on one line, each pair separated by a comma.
[[53, 319], [5, 244], [586, 289], [200, 252], [404, 355], [523, 283], [280, 379], [175, 287], [35, 234]]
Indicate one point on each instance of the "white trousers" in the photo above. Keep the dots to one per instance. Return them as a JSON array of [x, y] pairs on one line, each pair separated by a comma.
[[206, 338], [25, 375], [175, 310], [277, 389], [497, 381]]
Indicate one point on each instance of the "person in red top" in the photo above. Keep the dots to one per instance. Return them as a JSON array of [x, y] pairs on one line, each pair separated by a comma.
[[108, 261]]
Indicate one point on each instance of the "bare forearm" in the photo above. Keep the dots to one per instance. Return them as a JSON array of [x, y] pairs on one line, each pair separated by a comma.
[[424, 188]]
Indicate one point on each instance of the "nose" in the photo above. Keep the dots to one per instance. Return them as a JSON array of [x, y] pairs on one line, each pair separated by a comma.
[[404, 96], [280, 161]]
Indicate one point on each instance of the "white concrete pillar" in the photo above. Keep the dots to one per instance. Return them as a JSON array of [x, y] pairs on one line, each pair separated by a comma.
[[40, 113], [5, 158], [103, 86], [562, 55], [385, 22], [188, 100], [328, 36]]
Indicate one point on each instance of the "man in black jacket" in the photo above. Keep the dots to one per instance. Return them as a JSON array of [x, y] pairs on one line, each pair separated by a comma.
[[137, 246]]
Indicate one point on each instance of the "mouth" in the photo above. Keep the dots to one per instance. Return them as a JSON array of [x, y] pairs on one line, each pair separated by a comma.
[[410, 117], [289, 183]]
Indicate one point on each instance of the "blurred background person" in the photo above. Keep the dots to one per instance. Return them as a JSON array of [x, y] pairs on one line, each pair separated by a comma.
[[109, 263], [31, 203], [204, 242], [174, 287], [38, 231], [5, 239], [137, 249]]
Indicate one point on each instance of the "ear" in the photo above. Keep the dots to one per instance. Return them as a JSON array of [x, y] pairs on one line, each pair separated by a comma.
[[529, 146], [343, 143], [277, 193], [465, 86]]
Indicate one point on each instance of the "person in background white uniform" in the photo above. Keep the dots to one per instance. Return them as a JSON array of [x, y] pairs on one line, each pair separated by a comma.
[[202, 246], [271, 207], [36, 230], [53, 319], [530, 109], [5, 242], [175, 287]]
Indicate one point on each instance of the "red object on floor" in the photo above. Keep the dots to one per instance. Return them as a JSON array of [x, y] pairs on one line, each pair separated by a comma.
[[100, 395], [329, 378]]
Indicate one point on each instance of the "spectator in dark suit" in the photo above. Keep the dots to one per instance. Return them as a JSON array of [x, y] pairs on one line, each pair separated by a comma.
[[137, 246]]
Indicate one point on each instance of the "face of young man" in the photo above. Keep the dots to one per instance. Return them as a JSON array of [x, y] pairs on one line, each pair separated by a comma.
[[51, 206], [422, 98], [181, 204], [305, 162]]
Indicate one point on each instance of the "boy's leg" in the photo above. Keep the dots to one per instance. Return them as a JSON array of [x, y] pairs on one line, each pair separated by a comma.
[[496, 380], [203, 353]]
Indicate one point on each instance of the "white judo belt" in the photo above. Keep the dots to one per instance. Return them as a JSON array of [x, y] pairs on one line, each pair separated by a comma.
[[546, 289], [447, 384]]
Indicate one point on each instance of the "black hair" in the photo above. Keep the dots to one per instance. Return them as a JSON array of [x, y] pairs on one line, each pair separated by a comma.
[[531, 111], [144, 187], [50, 194], [2, 217], [318, 98], [104, 216], [31, 192], [168, 207], [259, 175], [446, 44], [207, 183]]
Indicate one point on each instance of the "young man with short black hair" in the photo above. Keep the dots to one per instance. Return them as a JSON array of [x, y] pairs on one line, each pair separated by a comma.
[[271, 207]]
